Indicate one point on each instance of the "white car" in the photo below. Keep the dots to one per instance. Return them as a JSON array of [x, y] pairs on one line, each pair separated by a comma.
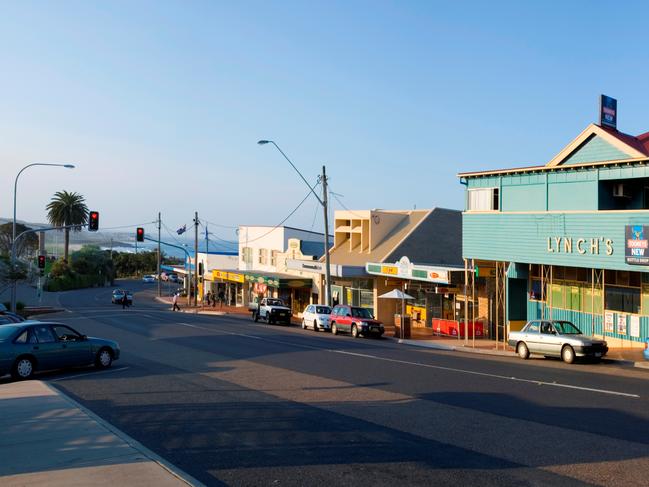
[[149, 278], [316, 317]]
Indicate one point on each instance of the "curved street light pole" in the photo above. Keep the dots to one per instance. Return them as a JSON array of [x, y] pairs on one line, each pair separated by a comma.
[[13, 232], [323, 202]]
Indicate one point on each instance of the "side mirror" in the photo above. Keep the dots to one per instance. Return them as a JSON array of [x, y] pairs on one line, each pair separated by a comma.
[[348, 315], [84, 337]]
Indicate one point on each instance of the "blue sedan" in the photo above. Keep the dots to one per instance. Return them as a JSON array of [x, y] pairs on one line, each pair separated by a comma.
[[33, 346]]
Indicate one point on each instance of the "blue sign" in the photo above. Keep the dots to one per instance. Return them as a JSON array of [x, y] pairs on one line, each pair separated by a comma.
[[608, 111], [636, 250]]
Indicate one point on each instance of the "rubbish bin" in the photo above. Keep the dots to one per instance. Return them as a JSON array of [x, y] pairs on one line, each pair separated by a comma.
[[402, 321]]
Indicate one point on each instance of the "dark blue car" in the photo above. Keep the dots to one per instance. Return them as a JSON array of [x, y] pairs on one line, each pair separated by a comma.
[[33, 346]]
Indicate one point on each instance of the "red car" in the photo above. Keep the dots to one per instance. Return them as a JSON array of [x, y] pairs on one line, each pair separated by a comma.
[[354, 320]]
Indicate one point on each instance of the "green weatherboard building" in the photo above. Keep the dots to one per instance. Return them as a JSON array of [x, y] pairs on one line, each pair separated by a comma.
[[568, 240]]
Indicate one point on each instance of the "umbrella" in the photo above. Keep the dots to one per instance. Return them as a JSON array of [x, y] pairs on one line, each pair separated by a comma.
[[398, 294]]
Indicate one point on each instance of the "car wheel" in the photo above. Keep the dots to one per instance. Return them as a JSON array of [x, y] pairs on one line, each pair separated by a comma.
[[270, 320], [23, 368], [104, 358], [522, 350], [354, 331], [303, 324], [255, 316], [568, 354], [315, 325], [334, 329]]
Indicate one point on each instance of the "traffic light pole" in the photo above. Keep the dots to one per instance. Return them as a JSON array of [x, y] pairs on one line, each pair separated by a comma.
[[159, 259], [196, 258]]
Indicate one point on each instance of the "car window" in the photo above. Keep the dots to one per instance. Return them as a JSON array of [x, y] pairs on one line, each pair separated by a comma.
[[66, 334], [309, 309], [361, 313], [26, 337], [546, 328], [44, 334], [566, 328], [323, 310], [533, 327]]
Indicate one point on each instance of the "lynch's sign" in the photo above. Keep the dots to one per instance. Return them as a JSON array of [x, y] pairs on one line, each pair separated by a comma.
[[569, 245]]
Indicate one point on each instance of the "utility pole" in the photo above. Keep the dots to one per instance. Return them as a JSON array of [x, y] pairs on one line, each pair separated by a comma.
[[325, 206], [159, 258], [196, 258]]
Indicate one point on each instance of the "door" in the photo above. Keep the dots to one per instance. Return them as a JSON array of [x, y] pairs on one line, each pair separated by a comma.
[[548, 340], [75, 349], [344, 318], [531, 337], [48, 350]]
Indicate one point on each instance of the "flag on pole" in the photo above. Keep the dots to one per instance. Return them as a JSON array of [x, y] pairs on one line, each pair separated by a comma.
[[181, 230]]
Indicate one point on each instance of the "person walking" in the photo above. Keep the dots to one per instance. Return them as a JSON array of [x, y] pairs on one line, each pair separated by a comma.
[[221, 298], [175, 307], [125, 300]]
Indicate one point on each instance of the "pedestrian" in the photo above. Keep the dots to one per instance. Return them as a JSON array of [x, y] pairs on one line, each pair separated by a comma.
[[125, 300], [175, 307], [221, 298], [208, 297]]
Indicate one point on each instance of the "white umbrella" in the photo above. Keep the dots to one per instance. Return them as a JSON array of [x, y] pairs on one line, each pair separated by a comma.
[[399, 294], [396, 294]]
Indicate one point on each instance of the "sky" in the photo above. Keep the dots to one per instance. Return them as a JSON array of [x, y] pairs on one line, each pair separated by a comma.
[[160, 104]]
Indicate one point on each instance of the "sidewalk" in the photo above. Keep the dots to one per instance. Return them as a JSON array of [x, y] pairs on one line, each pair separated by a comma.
[[48, 439]]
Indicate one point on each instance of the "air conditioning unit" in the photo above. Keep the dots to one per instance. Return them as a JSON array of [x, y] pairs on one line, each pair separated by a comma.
[[620, 191]]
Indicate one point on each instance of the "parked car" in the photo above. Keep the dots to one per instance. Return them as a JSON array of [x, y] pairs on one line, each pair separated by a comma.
[[173, 278], [118, 296], [355, 320], [272, 310], [316, 317], [148, 278], [33, 346], [645, 353], [556, 338], [11, 317]]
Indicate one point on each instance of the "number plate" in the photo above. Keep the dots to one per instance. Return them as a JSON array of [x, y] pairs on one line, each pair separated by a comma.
[[598, 354]]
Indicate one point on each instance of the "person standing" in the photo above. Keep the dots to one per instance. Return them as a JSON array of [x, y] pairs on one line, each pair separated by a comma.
[[221, 298], [175, 306]]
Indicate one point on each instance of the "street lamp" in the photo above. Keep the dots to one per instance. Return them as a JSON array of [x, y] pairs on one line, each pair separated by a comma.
[[323, 202], [13, 233]]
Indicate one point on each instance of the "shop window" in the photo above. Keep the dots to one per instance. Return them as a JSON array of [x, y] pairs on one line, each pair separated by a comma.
[[273, 257], [536, 292], [557, 296], [591, 300], [483, 199], [263, 256], [583, 275], [624, 299]]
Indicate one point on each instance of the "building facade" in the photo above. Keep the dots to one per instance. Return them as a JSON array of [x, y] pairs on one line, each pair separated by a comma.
[[568, 239]]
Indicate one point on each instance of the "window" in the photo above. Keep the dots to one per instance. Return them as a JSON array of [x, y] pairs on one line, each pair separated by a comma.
[[25, 337], [263, 256], [625, 299], [273, 257], [44, 334], [66, 334], [483, 199], [246, 255], [533, 327]]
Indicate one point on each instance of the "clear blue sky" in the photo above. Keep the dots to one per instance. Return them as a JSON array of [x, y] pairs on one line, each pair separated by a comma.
[[160, 104]]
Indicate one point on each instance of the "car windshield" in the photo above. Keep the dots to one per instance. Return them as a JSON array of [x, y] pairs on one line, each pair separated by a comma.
[[7, 331], [566, 328], [323, 310], [361, 313], [274, 302]]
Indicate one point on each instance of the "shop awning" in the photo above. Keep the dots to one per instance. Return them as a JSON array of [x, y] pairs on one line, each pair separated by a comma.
[[276, 280], [404, 269]]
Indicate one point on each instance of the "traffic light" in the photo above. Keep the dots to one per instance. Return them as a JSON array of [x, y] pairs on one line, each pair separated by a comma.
[[139, 236], [200, 268], [41, 262], [93, 221]]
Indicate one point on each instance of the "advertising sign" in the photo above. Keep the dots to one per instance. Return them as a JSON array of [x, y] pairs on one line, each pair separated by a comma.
[[634, 326], [621, 324], [636, 248], [608, 111], [608, 322]]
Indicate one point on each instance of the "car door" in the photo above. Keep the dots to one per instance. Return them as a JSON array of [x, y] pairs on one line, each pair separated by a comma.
[[75, 349], [547, 339], [552, 341], [48, 350], [344, 318], [531, 336]]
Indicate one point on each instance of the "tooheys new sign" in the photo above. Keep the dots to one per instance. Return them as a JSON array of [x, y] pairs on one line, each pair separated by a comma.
[[636, 248]]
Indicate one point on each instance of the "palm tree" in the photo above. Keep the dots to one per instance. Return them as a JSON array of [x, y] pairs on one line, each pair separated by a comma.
[[67, 209]]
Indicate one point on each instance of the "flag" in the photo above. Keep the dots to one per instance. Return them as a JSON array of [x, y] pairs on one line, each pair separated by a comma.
[[181, 230]]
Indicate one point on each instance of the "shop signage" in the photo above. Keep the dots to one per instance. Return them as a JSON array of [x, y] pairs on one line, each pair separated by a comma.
[[608, 111], [569, 245], [636, 250], [309, 266], [447, 290], [227, 276], [608, 322], [621, 324], [405, 269], [634, 326], [270, 281]]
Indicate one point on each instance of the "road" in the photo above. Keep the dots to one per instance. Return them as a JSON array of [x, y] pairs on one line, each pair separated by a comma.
[[234, 402]]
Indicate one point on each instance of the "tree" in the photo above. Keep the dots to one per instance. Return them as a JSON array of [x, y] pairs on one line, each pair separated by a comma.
[[67, 209], [28, 244]]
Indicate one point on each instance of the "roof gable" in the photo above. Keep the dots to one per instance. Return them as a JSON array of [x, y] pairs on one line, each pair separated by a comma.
[[596, 144]]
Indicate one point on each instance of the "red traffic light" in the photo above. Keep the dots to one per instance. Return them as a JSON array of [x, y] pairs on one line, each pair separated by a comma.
[[41, 262], [93, 221], [139, 236]]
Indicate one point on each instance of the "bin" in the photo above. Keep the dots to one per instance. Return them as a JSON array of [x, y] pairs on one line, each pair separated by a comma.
[[399, 322]]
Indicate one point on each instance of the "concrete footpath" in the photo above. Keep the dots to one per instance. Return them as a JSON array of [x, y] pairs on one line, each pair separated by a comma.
[[49, 439]]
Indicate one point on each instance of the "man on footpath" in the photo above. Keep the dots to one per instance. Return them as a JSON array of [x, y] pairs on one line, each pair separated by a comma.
[[175, 307]]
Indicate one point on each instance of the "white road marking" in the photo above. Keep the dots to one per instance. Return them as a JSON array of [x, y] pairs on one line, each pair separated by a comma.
[[89, 373], [484, 374]]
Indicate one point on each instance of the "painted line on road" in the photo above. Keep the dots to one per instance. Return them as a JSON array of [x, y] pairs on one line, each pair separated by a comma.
[[90, 373], [484, 374], [419, 364]]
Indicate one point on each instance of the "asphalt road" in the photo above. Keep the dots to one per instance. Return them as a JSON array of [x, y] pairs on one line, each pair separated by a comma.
[[233, 402]]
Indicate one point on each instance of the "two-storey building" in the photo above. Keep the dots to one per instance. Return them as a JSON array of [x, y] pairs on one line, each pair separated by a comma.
[[568, 239]]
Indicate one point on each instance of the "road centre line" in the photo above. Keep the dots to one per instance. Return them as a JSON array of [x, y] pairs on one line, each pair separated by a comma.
[[430, 366], [89, 373]]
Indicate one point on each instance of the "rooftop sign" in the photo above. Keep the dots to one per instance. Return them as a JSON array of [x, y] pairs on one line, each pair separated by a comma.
[[608, 111]]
